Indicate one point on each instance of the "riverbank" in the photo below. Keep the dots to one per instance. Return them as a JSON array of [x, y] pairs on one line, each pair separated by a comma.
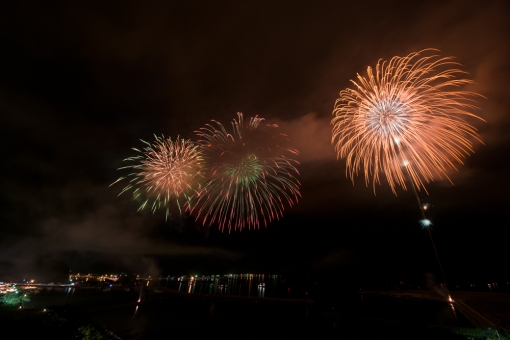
[[168, 313]]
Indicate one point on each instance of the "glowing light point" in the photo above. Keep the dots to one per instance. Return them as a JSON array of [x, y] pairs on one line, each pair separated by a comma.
[[425, 223]]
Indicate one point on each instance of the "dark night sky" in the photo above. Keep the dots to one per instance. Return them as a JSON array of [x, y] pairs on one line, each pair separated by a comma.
[[81, 83]]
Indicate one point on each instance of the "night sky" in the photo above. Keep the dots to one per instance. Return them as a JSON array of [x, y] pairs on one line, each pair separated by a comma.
[[82, 82]]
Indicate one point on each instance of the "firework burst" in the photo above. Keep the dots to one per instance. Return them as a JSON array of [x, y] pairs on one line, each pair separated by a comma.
[[409, 114], [165, 172], [250, 175]]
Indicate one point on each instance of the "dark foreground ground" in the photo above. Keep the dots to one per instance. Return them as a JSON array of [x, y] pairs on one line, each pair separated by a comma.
[[369, 315]]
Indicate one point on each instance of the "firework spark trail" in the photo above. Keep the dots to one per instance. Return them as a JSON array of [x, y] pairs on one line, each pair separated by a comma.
[[426, 225], [167, 172], [250, 175], [409, 115], [410, 111]]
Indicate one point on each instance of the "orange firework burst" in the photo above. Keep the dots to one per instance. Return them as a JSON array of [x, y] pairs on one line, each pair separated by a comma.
[[166, 171], [409, 114]]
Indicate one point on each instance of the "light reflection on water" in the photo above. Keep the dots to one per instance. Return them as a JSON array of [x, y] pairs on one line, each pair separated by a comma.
[[154, 315], [256, 286]]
